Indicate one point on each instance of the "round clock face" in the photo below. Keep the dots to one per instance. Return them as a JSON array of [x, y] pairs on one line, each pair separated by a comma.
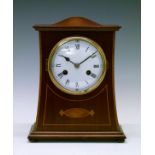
[[77, 65]]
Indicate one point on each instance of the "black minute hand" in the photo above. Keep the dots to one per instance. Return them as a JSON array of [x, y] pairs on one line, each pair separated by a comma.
[[87, 58]]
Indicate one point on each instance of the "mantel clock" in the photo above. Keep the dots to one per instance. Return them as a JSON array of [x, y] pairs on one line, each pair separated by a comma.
[[77, 96]]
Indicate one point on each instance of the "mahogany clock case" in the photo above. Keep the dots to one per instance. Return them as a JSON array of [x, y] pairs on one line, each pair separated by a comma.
[[86, 117]]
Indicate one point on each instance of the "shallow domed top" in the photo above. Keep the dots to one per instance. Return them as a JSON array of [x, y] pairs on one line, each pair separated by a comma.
[[76, 23]]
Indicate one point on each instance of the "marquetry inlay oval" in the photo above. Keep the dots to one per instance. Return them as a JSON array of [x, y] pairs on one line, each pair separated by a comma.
[[76, 112]]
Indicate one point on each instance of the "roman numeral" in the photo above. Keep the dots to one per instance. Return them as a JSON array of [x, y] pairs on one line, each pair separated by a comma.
[[58, 65], [67, 82], [60, 75], [93, 75], [77, 46], [66, 47], [86, 49], [86, 82], [77, 86], [96, 66]]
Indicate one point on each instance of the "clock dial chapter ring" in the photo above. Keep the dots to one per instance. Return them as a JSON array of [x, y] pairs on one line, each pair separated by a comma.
[[77, 66]]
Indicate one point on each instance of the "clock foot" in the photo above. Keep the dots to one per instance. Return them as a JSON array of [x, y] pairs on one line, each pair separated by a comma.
[[82, 136]]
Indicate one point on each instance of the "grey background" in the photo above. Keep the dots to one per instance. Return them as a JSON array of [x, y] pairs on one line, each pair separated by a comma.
[[26, 57]]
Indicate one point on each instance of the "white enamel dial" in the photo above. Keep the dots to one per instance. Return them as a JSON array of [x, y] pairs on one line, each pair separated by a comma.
[[77, 65]]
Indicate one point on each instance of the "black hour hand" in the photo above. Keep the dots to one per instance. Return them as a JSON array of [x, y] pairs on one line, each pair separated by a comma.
[[68, 59]]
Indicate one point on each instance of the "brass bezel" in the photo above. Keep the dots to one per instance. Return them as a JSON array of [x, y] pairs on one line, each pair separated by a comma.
[[58, 85]]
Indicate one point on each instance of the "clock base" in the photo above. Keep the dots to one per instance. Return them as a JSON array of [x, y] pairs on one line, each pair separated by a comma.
[[111, 136]]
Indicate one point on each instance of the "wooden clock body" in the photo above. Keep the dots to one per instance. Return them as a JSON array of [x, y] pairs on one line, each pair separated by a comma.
[[87, 117]]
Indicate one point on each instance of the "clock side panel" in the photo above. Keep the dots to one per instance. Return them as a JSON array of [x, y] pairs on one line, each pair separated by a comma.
[[94, 111], [42, 86]]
